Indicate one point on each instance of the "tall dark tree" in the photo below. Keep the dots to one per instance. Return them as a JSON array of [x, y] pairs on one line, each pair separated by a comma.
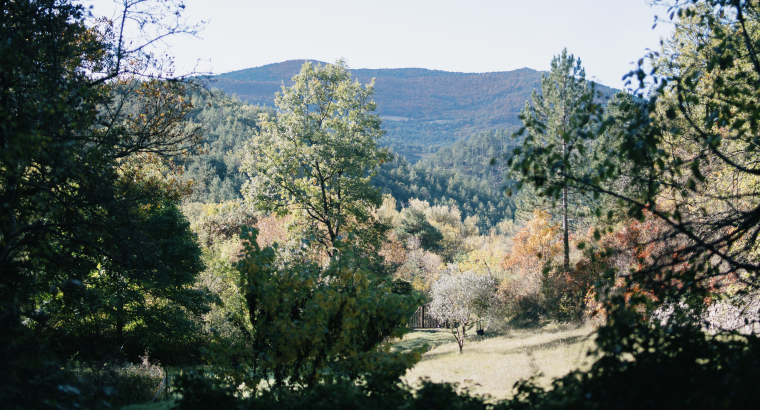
[[558, 125], [88, 127]]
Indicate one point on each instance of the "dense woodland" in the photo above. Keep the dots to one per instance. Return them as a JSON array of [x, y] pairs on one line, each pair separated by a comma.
[[271, 256], [425, 109]]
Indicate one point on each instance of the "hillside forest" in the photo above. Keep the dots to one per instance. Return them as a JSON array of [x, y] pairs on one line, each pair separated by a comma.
[[166, 240], [422, 110]]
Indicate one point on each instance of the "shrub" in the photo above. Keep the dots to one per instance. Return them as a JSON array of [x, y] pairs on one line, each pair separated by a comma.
[[311, 324], [200, 393], [122, 384]]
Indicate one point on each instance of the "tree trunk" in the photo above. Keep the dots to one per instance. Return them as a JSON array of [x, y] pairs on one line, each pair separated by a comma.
[[120, 323], [565, 227]]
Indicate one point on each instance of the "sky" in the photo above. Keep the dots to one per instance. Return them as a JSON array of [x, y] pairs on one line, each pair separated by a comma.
[[463, 36]]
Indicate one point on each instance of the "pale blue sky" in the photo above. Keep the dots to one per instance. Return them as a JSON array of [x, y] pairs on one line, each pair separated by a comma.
[[466, 36]]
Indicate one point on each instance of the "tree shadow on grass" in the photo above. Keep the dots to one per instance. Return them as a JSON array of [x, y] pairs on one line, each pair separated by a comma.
[[525, 349], [421, 337], [529, 349]]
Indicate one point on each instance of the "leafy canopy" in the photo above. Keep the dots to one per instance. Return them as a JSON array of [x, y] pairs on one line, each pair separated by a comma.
[[312, 324], [316, 158]]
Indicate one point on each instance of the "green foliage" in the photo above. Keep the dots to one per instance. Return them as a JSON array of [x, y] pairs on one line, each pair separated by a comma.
[[204, 393], [146, 304], [622, 113], [478, 156], [226, 319], [227, 125], [112, 384], [559, 126], [28, 376], [92, 246], [686, 160], [401, 287], [312, 325], [220, 222], [443, 183], [414, 223], [315, 160]]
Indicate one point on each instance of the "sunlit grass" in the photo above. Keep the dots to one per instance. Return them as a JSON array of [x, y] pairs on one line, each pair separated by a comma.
[[492, 364], [489, 365]]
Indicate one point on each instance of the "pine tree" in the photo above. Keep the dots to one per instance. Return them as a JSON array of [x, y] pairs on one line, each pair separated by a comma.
[[558, 126]]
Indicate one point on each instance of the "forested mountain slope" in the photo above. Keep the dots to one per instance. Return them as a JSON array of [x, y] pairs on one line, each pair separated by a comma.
[[228, 124], [460, 174], [493, 99], [471, 174], [422, 109]]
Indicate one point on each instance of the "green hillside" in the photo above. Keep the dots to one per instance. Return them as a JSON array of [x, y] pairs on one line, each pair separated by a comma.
[[423, 109]]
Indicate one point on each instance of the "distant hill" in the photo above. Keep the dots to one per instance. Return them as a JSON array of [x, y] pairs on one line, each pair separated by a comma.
[[423, 109]]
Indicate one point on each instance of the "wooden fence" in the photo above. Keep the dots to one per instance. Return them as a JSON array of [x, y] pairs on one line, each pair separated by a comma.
[[421, 319]]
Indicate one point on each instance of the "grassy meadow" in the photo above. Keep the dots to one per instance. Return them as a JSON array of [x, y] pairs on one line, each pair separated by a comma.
[[492, 364], [489, 364]]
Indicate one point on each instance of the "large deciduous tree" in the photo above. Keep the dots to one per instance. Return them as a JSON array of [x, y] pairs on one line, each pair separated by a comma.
[[88, 127], [558, 125], [316, 158]]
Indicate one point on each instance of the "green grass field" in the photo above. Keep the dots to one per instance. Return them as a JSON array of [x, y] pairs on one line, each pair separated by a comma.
[[492, 364]]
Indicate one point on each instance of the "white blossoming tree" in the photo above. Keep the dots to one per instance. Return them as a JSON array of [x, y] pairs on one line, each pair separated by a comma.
[[459, 300]]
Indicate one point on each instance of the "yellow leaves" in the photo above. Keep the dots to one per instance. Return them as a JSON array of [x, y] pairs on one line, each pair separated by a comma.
[[533, 246]]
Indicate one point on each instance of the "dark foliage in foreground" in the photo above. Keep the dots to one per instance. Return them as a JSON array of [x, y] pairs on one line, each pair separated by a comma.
[[643, 366]]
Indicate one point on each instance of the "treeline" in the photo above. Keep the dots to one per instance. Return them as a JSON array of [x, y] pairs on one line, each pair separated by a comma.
[[462, 174], [228, 124], [445, 187]]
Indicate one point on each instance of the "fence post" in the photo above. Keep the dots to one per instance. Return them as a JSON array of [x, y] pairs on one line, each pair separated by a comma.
[[423, 316]]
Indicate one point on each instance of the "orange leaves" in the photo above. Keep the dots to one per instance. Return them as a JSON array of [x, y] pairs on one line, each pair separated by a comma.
[[534, 245]]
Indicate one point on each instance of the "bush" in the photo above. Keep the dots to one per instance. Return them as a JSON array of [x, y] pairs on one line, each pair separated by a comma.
[[310, 324], [122, 384], [199, 392]]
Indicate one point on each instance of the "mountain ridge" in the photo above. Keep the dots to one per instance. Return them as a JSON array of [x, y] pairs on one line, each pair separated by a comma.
[[440, 107], [417, 93]]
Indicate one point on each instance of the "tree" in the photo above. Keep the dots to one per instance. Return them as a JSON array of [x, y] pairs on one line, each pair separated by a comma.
[[145, 303], [316, 158], [313, 325], [459, 300], [88, 127], [414, 223], [689, 154], [559, 125], [534, 249]]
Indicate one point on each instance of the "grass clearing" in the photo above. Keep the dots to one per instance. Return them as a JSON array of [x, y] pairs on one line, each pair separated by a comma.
[[492, 364]]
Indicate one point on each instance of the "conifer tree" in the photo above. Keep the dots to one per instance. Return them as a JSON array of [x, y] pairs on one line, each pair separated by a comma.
[[558, 125]]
